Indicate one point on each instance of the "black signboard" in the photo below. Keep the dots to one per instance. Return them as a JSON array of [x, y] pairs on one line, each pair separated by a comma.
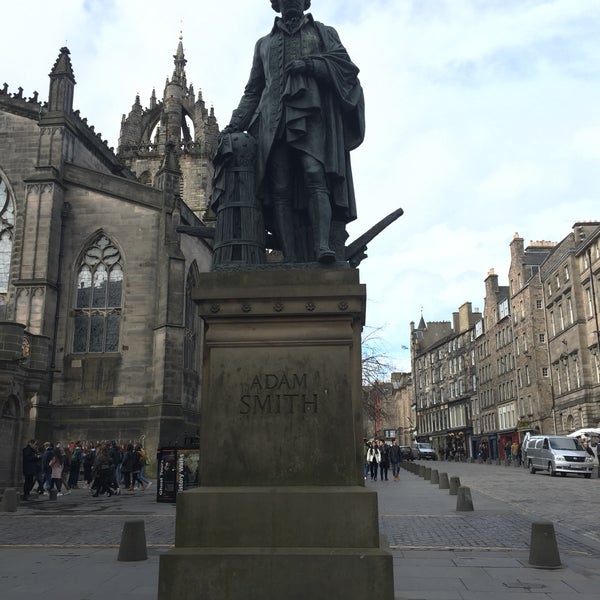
[[177, 470]]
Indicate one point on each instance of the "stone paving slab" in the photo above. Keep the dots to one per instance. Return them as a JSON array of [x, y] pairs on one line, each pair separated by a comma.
[[92, 574]]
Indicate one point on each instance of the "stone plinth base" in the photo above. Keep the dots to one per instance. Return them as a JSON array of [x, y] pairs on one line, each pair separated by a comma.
[[282, 512], [276, 574], [278, 517]]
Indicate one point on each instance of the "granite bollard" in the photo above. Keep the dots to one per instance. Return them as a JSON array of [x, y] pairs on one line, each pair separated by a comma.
[[427, 473], [464, 502], [543, 549], [435, 477], [10, 500], [444, 483], [454, 485]]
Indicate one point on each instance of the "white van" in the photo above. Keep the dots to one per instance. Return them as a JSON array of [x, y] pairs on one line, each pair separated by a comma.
[[558, 454]]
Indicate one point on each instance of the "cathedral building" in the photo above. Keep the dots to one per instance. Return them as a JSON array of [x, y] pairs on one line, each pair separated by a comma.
[[99, 339]]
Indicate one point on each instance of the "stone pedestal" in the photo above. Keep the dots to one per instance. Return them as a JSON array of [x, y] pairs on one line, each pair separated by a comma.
[[282, 510]]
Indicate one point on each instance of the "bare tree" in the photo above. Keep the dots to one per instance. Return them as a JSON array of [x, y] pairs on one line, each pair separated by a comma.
[[376, 370]]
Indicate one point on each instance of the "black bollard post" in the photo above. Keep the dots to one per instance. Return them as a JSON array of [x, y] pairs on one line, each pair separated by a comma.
[[133, 542]]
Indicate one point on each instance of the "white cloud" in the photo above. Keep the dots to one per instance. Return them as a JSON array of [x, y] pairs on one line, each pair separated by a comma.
[[482, 117]]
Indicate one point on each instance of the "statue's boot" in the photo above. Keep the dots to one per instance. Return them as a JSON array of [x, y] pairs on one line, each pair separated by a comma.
[[320, 220], [284, 226]]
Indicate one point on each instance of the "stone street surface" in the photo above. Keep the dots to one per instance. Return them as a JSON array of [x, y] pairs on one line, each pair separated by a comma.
[[67, 549]]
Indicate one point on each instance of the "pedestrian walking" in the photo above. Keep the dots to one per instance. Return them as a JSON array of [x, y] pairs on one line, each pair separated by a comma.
[[508, 450], [130, 468], [89, 456], [373, 458], [384, 463], [395, 459], [46, 468], [103, 474], [143, 462], [116, 458], [56, 467], [31, 467], [75, 466], [514, 450]]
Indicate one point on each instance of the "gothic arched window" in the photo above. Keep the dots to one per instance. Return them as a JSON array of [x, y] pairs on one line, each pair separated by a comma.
[[98, 299], [191, 322], [7, 224]]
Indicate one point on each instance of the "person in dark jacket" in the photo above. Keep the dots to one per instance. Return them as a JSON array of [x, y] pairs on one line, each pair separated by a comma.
[[103, 474], [131, 468], [75, 466], [384, 465], [395, 459], [89, 457], [46, 469], [31, 466]]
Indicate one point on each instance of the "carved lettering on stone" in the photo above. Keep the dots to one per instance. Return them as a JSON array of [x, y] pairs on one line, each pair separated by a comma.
[[278, 394]]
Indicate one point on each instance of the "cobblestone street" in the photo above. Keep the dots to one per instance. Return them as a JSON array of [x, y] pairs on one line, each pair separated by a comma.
[[569, 502]]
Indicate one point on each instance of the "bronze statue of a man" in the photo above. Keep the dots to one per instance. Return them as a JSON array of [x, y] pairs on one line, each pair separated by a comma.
[[305, 106]]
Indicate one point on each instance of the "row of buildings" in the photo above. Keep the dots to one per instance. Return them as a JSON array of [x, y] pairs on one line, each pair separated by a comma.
[[530, 362]]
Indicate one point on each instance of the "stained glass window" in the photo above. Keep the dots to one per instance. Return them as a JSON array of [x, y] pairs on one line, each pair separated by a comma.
[[7, 224], [98, 299]]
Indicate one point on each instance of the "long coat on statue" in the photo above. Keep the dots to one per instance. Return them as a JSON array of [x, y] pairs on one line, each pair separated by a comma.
[[321, 113]]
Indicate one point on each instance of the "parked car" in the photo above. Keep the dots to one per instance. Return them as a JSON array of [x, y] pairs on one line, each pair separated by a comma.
[[423, 450], [558, 454], [406, 453]]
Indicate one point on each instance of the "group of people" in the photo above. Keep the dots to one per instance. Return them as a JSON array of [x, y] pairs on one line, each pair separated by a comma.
[[513, 451], [379, 456], [102, 468], [452, 452]]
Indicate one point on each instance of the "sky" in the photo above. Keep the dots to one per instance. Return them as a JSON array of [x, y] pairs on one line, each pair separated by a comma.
[[483, 119]]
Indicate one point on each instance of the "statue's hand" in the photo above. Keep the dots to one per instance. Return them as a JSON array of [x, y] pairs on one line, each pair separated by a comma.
[[228, 129], [296, 66]]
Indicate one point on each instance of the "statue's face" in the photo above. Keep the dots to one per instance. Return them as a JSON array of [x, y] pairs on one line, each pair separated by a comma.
[[292, 8]]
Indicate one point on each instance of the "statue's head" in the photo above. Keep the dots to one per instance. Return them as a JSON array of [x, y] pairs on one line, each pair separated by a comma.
[[280, 6]]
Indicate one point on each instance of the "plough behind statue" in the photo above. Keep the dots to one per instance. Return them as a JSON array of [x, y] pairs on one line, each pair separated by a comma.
[[244, 232]]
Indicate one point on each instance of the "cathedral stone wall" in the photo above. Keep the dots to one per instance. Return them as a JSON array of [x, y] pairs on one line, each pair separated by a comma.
[[96, 372]]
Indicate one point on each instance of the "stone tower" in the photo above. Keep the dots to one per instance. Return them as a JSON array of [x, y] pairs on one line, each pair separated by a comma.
[[182, 120]]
